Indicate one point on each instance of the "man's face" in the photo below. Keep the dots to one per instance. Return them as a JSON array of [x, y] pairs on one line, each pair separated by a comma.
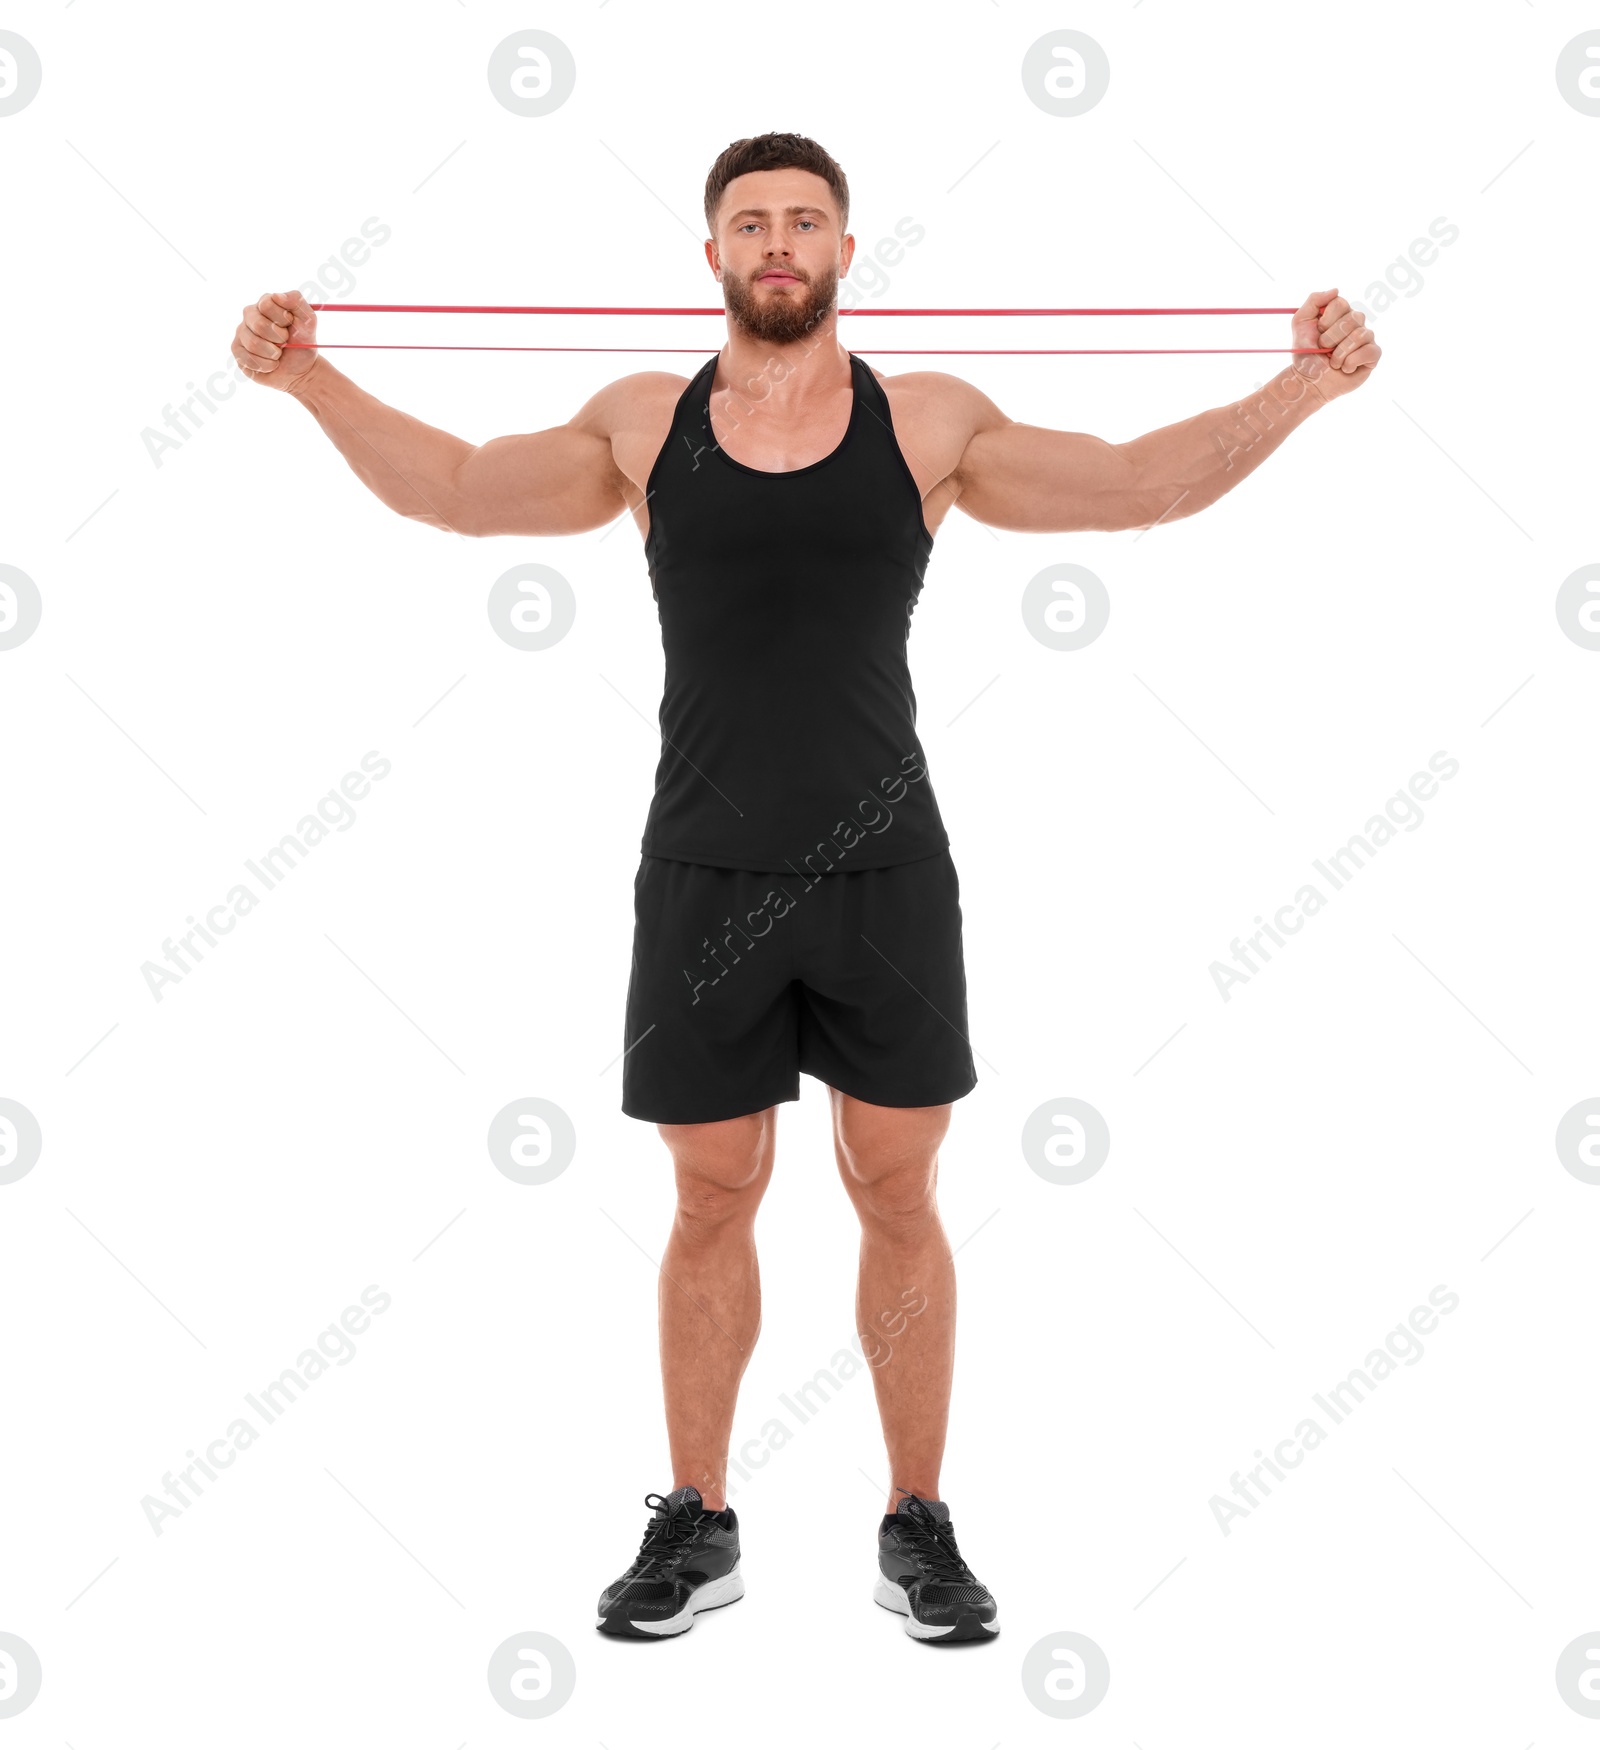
[[778, 252]]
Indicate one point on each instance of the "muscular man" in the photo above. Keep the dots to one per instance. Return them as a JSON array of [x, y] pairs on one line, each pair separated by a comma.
[[796, 907]]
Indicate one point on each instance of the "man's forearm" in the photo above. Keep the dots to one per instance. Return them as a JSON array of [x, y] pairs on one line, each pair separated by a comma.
[[409, 465], [1191, 464]]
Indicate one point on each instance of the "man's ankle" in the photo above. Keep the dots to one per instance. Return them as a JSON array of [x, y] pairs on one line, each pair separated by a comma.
[[929, 1493], [713, 1495]]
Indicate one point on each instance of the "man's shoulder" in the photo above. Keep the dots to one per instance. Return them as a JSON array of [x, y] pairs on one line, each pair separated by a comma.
[[641, 396], [928, 384], [939, 398]]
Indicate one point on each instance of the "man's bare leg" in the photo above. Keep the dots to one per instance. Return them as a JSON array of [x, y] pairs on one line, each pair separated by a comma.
[[710, 1293], [906, 1291]]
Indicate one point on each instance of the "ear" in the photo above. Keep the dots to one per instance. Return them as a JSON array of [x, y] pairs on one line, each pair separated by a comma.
[[847, 250], [713, 259]]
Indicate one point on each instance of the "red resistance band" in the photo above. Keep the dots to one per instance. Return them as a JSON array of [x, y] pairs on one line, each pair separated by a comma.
[[670, 310]]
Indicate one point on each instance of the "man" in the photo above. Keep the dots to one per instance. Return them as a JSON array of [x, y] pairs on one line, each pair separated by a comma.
[[796, 907]]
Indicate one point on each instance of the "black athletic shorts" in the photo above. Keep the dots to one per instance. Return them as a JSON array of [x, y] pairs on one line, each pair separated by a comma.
[[741, 980]]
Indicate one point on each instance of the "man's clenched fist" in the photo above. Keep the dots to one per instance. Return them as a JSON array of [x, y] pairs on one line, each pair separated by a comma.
[[261, 341], [1326, 319]]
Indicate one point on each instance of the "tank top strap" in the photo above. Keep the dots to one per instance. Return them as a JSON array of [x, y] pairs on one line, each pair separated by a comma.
[[692, 416], [868, 387]]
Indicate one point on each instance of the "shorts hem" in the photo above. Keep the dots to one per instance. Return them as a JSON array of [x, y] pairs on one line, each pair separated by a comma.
[[741, 1109], [943, 1099]]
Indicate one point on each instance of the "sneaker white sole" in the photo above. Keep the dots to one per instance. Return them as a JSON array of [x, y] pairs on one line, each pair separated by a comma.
[[893, 1597], [707, 1597]]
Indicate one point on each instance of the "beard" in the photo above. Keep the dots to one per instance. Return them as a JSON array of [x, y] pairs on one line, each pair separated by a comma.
[[782, 317]]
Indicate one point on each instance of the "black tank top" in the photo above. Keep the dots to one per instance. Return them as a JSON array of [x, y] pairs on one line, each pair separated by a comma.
[[788, 723]]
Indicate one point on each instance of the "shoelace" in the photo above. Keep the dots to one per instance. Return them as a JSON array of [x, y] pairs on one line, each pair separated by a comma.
[[669, 1532], [933, 1543]]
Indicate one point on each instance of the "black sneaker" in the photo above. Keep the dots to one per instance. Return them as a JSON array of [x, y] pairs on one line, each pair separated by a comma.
[[921, 1575], [688, 1562]]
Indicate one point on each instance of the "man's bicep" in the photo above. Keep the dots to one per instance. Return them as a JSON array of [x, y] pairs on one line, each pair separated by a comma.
[[561, 481], [1028, 477]]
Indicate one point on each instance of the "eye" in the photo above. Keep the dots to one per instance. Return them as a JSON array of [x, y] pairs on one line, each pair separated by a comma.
[[748, 225], [811, 222]]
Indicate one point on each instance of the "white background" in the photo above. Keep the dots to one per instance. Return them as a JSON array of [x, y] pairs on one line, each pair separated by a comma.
[[1291, 1171]]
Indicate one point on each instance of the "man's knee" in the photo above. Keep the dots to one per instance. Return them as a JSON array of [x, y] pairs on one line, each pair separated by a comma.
[[898, 1197], [889, 1157], [722, 1169]]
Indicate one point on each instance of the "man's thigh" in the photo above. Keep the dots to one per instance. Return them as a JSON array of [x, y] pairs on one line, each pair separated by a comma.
[[883, 984], [711, 1027]]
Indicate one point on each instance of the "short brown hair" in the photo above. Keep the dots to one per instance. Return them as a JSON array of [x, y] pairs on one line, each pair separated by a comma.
[[774, 152]]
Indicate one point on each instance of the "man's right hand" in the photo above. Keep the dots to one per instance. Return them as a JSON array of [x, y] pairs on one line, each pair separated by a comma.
[[260, 340]]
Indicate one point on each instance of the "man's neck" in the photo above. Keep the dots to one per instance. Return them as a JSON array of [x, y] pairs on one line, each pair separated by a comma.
[[786, 374]]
